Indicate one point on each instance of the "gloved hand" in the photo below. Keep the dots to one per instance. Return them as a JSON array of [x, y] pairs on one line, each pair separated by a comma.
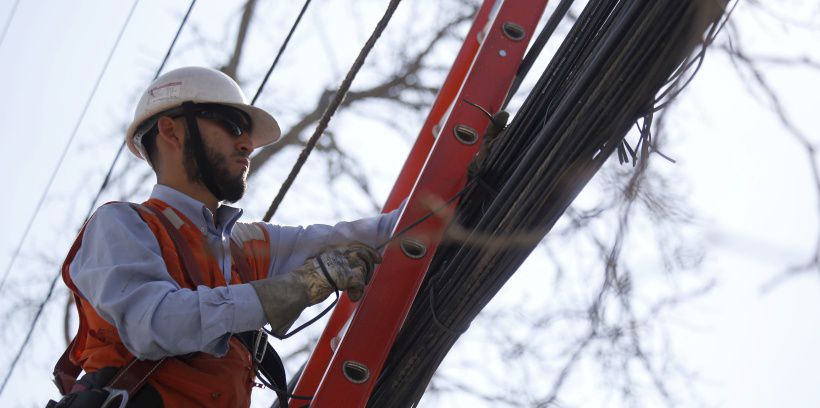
[[284, 297], [350, 268]]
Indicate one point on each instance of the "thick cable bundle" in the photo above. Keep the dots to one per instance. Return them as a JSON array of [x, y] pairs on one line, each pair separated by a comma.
[[605, 76]]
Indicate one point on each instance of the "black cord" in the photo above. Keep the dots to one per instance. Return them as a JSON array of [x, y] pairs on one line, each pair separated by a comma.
[[332, 107], [281, 51], [64, 153], [45, 193], [428, 215], [380, 246], [113, 164], [326, 273], [323, 312], [12, 13], [279, 391], [537, 46]]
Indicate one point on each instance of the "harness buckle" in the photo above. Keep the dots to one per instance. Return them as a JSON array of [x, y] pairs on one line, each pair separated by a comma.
[[260, 346], [117, 398]]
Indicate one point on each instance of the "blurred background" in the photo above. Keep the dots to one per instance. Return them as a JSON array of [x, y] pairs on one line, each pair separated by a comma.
[[717, 302]]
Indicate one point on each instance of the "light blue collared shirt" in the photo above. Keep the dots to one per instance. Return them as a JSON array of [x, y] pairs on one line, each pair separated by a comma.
[[119, 269]]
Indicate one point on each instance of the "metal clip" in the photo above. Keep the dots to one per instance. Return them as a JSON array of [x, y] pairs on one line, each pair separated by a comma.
[[260, 346], [117, 398]]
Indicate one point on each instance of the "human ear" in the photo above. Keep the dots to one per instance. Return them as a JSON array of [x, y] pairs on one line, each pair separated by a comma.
[[170, 131]]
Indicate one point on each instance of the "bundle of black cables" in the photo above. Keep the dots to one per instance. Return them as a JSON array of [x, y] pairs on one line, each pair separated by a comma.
[[617, 61]]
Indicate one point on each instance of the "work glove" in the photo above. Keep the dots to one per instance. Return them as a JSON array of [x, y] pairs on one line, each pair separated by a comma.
[[347, 267]]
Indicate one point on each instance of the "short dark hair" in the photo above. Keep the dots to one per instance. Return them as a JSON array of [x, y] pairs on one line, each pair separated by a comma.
[[149, 142]]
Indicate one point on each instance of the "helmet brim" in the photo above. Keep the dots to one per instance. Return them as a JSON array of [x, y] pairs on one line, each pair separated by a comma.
[[265, 129]]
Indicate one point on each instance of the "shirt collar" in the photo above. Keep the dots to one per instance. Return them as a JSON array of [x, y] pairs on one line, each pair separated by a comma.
[[197, 212]]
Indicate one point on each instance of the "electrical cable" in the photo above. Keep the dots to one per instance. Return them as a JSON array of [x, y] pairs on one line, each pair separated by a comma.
[[294, 379], [570, 124], [281, 51], [45, 193], [122, 146], [159, 71], [536, 48], [336, 289], [12, 13], [93, 202], [64, 153], [332, 107], [113, 164]]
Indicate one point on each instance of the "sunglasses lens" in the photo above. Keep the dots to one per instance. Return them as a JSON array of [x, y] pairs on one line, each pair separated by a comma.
[[232, 120], [231, 127]]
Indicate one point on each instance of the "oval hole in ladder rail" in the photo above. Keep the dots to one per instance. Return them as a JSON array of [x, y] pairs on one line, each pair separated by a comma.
[[465, 134], [355, 371], [513, 31], [413, 248]]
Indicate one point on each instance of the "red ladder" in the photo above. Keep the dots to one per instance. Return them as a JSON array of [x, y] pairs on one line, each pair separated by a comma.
[[436, 168]]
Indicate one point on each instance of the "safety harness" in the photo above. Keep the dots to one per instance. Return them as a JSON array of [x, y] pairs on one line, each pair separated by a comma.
[[131, 378]]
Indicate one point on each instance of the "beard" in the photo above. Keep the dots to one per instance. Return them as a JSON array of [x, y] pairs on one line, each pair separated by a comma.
[[232, 187]]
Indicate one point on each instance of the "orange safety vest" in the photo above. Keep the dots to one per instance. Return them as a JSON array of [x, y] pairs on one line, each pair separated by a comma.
[[196, 379]]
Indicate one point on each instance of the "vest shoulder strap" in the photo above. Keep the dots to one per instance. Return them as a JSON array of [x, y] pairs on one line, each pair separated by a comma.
[[183, 249], [133, 376]]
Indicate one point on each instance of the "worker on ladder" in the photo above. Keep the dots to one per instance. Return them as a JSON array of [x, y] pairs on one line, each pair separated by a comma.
[[172, 292]]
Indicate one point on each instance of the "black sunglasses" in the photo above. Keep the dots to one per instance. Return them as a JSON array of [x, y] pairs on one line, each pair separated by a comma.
[[232, 120]]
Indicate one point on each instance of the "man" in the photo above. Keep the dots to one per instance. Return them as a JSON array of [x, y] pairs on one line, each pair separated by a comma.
[[172, 280]]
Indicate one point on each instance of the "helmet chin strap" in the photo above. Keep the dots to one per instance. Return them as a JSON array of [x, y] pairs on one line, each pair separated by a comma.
[[194, 137]]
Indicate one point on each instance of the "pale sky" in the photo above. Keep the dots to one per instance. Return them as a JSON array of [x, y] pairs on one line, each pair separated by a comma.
[[745, 177]]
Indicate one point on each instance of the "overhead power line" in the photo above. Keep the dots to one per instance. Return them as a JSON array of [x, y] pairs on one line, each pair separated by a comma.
[[8, 21], [572, 121], [108, 175], [323, 123], [66, 147], [281, 51], [332, 107], [113, 164], [42, 305]]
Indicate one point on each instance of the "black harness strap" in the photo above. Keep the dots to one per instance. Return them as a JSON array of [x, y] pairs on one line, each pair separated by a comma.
[[270, 369], [133, 376]]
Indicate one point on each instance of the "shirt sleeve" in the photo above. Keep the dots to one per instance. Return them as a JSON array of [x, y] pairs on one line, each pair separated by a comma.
[[119, 269], [291, 246]]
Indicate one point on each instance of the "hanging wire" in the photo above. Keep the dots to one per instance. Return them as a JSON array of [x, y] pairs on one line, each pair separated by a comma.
[[27, 339], [51, 179], [537, 169], [676, 83], [93, 202], [536, 48], [281, 51], [332, 108], [113, 164], [8, 22]]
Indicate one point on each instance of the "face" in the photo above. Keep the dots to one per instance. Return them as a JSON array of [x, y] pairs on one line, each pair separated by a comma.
[[226, 154]]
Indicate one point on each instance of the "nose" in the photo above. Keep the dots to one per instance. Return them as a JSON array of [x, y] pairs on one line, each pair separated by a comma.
[[244, 143]]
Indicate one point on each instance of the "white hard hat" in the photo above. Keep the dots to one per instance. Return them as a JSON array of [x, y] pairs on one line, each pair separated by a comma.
[[198, 85]]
